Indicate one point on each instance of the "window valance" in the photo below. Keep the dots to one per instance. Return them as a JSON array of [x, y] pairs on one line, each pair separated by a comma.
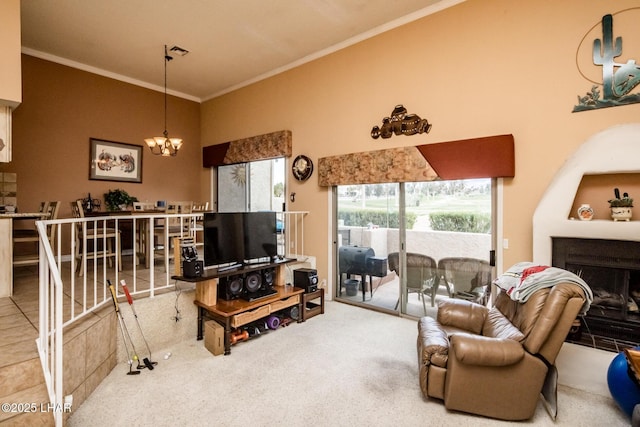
[[488, 157], [260, 147]]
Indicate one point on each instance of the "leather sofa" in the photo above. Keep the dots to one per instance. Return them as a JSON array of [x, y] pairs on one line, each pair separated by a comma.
[[494, 361]]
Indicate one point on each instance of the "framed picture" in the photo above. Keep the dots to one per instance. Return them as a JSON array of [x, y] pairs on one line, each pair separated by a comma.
[[115, 161]]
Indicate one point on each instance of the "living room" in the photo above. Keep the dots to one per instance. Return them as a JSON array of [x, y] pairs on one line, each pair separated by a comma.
[[475, 69]]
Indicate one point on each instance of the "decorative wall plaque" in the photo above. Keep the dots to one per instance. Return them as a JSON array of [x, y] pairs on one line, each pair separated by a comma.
[[400, 123], [302, 168]]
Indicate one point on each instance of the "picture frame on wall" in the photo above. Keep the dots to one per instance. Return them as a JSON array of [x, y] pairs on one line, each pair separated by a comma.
[[115, 161]]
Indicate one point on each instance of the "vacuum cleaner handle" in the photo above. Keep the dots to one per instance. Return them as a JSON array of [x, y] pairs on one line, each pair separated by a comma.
[[126, 291]]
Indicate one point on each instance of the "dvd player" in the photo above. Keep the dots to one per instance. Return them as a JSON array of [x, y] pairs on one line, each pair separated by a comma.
[[262, 293]]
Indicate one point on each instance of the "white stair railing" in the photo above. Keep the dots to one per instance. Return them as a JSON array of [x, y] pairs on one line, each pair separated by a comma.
[[55, 293], [60, 286], [292, 235]]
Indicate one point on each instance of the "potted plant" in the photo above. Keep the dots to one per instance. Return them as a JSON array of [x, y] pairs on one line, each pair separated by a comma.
[[621, 206], [118, 200]]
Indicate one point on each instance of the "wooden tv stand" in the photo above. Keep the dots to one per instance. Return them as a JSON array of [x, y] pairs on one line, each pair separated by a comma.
[[236, 313]]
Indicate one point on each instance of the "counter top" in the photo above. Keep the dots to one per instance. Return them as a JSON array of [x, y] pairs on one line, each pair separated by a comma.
[[24, 215]]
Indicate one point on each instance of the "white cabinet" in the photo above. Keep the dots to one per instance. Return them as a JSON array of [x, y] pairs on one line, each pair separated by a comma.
[[5, 134]]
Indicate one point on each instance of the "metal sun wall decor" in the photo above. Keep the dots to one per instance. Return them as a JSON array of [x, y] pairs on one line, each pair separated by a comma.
[[400, 123], [618, 79]]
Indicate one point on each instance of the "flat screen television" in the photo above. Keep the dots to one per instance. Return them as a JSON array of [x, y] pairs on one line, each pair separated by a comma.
[[239, 237], [259, 235], [223, 238]]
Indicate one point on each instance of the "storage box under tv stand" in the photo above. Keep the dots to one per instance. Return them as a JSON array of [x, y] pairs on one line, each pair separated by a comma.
[[238, 312]]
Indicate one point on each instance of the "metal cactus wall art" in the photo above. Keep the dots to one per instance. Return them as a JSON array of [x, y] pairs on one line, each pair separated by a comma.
[[618, 79]]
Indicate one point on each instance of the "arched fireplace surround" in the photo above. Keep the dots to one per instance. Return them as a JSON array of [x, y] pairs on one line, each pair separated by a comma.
[[605, 252]]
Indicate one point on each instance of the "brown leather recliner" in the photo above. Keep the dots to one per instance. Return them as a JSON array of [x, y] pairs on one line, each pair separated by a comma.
[[493, 362]]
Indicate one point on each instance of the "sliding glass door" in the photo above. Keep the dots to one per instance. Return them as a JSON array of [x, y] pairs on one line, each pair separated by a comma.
[[368, 218], [424, 241]]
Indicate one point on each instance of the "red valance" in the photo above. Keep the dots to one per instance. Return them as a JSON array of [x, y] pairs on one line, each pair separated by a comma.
[[488, 157]]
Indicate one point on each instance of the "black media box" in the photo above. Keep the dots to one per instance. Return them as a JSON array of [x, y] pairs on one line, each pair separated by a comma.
[[192, 268], [306, 278]]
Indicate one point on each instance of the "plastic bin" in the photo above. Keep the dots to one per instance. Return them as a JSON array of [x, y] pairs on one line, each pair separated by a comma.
[[352, 287]]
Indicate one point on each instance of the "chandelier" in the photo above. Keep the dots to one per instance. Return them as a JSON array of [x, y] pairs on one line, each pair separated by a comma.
[[163, 145]]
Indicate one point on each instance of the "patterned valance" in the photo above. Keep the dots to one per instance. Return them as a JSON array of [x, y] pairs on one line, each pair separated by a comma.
[[489, 157], [260, 147], [403, 164]]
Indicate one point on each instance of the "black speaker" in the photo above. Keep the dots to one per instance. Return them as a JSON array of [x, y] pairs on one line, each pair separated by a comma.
[[306, 278], [192, 268], [230, 287], [253, 281], [377, 266], [268, 277]]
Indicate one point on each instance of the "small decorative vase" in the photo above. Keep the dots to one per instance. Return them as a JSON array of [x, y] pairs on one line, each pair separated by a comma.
[[621, 214], [585, 212]]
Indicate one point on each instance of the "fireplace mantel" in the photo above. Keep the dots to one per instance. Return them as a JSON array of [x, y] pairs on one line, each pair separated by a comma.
[[614, 150]]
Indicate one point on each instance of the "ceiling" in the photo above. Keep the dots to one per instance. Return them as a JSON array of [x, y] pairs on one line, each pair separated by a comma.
[[231, 43]]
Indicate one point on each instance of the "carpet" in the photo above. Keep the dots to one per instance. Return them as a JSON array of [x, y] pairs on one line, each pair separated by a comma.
[[348, 367]]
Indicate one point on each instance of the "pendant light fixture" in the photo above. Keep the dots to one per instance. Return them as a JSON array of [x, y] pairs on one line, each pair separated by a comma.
[[163, 145]]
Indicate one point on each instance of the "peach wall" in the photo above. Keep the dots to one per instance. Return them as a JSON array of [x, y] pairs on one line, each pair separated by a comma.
[[10, 43], [481, 68], [63, 107]]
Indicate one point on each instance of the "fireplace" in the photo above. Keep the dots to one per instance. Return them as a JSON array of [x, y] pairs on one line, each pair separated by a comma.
[[605, 253], [612, 269]]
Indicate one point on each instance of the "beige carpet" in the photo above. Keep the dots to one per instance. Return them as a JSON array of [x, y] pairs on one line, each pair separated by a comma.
[[348, 367]]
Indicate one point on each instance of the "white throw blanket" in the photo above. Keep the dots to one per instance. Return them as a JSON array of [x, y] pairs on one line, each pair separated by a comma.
[[524, 278]]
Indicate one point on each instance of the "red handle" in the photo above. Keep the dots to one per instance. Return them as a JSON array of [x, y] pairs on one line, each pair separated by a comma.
[[126, 291]]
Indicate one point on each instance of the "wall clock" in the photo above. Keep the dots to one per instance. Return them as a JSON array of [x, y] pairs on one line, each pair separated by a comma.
[[302, 168]]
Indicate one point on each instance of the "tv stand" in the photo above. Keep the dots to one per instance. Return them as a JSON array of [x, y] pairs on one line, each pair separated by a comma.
[[236, 313]]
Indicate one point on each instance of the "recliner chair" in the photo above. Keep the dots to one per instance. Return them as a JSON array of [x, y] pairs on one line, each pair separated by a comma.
[[494, 361]]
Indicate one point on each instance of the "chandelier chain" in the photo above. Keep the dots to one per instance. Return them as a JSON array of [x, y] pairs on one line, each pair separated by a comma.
[[164, 145]]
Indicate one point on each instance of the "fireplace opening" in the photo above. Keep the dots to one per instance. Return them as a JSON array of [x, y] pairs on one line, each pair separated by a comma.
[[611, 268]]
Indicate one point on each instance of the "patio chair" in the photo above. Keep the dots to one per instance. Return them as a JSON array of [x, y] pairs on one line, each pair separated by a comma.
[[422, 275]]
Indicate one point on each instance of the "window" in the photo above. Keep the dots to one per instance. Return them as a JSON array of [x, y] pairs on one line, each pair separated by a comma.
[[252, 187]]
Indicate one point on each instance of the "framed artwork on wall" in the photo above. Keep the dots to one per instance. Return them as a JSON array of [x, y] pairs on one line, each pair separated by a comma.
[[115, 161]]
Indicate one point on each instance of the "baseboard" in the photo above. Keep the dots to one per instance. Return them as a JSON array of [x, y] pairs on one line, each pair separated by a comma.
[[584, 368]]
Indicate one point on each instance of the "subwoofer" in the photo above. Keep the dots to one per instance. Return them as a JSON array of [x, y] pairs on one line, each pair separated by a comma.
[[306, 278], [230, 287], [253, 281]]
